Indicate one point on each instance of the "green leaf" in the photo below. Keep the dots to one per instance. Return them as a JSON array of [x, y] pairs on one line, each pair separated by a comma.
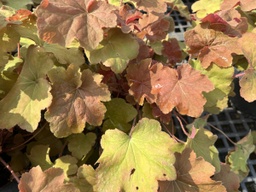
[[205, 7], [21, 4], [238, 158], [135, 162], [118, 114], [115, 51], [39, 155], [30, 94], [85, 178], [64, 55], [8, 76], [46, 137], [80, 144], [19, 161], [203, 145], [68, 164], [222, 79]]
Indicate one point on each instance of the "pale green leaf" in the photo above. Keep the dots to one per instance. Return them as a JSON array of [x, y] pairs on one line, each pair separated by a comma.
[[8, 76], [238, 158], [30, 94], [80, 144], [222, 79], [205, 7], [117, 2], [85, 178], [68, 164], [203, 145], [39, 155], [115, 51], [248, 85], [135, 162]]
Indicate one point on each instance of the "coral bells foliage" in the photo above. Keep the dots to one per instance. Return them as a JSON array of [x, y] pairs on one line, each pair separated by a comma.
[[89, 88]]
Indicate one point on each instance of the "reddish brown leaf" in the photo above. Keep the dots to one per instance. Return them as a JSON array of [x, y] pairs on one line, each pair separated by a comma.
[[76, 100], [128, 18], [229, 22], [62, 21], [229, 179], [211, 46], [172, 51], [181, 88], [154, 27], [193, 175], [139, 80], [50, 180], [156, 112]]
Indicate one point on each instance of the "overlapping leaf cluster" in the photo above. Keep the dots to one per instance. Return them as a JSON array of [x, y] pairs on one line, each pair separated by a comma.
[[79, 75]]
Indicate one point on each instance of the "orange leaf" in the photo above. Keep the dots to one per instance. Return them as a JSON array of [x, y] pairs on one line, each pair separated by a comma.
[[181, 88]]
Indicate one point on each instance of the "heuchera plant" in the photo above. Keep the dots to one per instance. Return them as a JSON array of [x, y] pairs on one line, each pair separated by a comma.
[[89, 89]]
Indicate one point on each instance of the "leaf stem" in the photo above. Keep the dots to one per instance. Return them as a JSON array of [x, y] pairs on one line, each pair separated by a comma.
[[171, 134], [217, 129], [182, 127], [16, 147], [10, 169]]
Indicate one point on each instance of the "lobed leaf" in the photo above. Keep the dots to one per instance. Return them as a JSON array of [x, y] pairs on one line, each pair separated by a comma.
[[229, 179], [237, 159], [30, 94], [181, 88], [80, 144], [137, 161], [39, 155], [222, 79], [51, 179], [115, 51], [118, 114], [205, 7], [85, 179], [140, 85], [193, 174], [248, 81], [203, 145], [62, 21], [76, 100], [68, 164], [248, 85], [211, 46]]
